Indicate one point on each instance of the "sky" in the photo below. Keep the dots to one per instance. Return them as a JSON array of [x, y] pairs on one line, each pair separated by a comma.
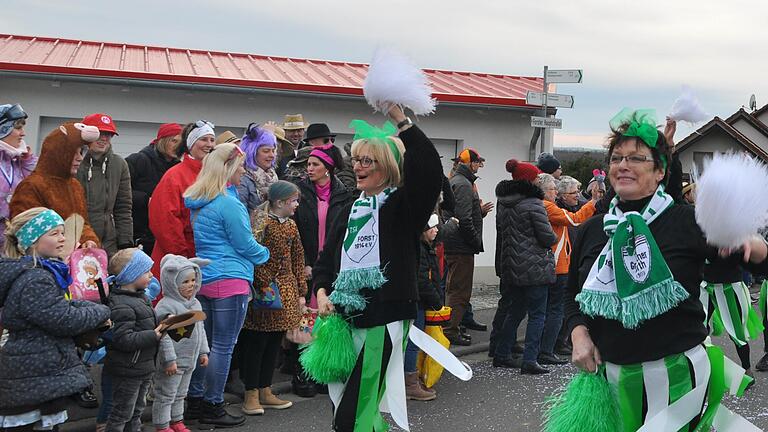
[[633, 54]]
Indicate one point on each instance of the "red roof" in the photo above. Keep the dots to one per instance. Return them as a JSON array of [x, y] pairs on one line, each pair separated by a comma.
[[114, 60]]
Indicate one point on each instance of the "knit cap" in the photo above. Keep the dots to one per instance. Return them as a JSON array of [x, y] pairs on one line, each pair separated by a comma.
[[522, 170], [548, 163]]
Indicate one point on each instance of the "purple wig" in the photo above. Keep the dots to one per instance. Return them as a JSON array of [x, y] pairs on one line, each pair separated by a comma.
[[252, 141]]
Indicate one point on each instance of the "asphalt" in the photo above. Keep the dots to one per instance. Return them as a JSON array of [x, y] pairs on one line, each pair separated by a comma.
[[494, 400]]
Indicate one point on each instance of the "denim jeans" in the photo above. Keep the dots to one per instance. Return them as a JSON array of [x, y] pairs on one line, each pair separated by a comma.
[[501, 315], [105, 407], [224, 319], [554, 320], [533, 301], [411, 350]]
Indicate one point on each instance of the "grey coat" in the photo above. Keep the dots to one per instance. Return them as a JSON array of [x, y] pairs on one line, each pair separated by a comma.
[[134, 343], [107, 185], [524, 236], [468, 239], [187, 351], [39, 363]]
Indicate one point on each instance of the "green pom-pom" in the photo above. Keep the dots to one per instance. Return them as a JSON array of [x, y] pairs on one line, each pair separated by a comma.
[[586, 405], [331, 356]]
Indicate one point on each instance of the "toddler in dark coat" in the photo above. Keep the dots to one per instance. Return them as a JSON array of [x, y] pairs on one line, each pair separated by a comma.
[[130, 361]]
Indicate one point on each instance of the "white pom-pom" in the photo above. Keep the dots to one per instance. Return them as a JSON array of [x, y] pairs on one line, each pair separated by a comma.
[[393, 79], [687, 108], [731, 203]]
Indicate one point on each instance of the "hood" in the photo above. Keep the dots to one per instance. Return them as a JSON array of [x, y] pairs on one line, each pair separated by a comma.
[[11, 269], [60, 146], [194, 204], [510, 192], [172, 268]]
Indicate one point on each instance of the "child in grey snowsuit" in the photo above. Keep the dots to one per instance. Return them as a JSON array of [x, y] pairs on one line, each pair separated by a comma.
[[181, 280]]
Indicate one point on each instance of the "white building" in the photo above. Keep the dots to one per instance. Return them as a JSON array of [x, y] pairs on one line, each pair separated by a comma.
[[141, 87]]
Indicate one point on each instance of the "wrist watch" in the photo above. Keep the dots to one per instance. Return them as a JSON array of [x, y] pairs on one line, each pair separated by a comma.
[[404, 123]]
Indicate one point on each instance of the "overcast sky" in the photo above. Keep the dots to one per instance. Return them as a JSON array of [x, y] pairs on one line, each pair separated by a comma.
[[634, 54]]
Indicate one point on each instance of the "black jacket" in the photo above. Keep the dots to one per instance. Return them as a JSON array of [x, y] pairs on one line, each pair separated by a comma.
[[306, 214], [147, 168], [429, 279], [402, 220], [524, 236], [685, 249], [134, 344], [39, 363], [468, 240]]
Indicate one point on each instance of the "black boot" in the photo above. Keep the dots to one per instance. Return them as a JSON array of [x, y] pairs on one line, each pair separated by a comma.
[[193, 410], [216, 415], [303, 386]]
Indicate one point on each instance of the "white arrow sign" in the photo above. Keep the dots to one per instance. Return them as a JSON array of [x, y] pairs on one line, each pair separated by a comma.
[[546, 122], [553, 99], [564, 75]]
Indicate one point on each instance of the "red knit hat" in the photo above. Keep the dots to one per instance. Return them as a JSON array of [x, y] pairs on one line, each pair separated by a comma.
[[522, 170], [167, 130]]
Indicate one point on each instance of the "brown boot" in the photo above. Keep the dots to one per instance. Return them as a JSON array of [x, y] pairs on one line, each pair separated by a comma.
[[270, 401], [425, 388], [413, 390], [251, 405]]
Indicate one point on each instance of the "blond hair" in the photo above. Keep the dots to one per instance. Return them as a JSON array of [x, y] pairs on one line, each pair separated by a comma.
[[12, 246], [379, 150], [218, 167], [162, 144], [120, 259]]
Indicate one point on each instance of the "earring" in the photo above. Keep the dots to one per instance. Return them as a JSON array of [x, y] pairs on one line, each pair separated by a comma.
[[326, 174]]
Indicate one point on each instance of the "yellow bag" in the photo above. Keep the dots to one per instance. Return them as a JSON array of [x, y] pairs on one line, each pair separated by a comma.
[[430, 370]]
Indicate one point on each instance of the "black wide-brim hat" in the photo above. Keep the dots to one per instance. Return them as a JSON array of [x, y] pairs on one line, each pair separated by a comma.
[[318, 130]]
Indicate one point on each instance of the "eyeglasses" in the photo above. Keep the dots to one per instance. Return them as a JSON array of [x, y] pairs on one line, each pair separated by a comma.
[[634, 159], [329, 140], [203, 123], [365, 161], [572, 193]]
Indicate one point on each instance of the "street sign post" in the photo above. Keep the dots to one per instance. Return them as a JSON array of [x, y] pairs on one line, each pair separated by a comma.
[[564, 75], [546, 122], [551, 99]]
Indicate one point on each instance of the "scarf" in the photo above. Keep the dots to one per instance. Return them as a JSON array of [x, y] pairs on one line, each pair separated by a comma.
[[60, 271], [323, 192], [263, 179], [360, 260], [642, 286]]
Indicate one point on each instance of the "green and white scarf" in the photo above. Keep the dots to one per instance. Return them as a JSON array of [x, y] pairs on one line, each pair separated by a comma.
[[640, 286], [360, 260]]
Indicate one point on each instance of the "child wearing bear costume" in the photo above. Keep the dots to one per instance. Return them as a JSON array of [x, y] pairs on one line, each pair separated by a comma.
[[53, 183], [181, 280]]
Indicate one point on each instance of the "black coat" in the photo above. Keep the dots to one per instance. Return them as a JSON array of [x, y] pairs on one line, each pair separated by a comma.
[[39, 363], [468, 239], [306, 215], [429, 279], [147, 168], [524, 236], [134, 343], [402, 220]]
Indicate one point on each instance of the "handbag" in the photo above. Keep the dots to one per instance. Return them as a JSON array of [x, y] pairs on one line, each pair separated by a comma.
[[88, 268], [302, 335], [429, 369]]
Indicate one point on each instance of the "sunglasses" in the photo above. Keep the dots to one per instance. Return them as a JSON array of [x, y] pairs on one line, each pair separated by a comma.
[[15, 112], [329, 140]]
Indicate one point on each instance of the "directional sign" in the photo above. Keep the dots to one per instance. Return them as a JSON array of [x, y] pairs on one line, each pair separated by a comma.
[[553, 99], [564, 75], [546, 122]]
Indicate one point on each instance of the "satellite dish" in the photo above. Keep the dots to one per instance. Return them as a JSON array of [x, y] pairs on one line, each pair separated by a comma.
[[752, 103]]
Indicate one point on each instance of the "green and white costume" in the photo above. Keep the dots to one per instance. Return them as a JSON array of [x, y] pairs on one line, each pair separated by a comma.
[[733, 312]]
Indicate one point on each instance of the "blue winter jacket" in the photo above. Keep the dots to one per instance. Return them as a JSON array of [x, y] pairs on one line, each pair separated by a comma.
[[223, 235]]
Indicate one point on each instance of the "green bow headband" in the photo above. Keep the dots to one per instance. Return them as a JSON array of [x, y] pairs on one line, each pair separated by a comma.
[[365, 130], [639, 123]]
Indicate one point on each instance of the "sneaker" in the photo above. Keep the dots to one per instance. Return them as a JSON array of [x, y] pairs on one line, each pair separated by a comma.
[[86, 398], [270, 401], [216, 415], [179, 426], [251, 405], [762, 365]]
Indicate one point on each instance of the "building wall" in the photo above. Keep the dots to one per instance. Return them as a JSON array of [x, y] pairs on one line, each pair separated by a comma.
[[715, 141], [497, 134]]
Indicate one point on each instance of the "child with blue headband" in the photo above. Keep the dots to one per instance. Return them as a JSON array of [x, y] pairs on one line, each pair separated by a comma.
[[130, 360]]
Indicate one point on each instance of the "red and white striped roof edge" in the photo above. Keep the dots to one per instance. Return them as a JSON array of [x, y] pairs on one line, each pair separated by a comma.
[[48, 55]]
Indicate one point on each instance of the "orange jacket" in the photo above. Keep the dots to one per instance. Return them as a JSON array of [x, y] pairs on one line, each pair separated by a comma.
[[561, 219]]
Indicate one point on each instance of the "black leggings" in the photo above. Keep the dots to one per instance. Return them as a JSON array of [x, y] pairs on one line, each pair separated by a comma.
[[257, 353], [346, 413]]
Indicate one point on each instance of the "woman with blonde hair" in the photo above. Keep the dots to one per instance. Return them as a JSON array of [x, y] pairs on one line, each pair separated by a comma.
[[222, 233], [367, 270], [39, 365]]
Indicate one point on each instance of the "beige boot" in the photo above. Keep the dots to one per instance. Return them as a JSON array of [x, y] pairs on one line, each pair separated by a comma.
[[270, 401], [413, 390], [251, 405]]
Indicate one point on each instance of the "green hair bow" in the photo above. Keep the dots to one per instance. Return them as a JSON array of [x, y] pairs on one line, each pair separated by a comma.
[[365, 130], [639, 123]]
